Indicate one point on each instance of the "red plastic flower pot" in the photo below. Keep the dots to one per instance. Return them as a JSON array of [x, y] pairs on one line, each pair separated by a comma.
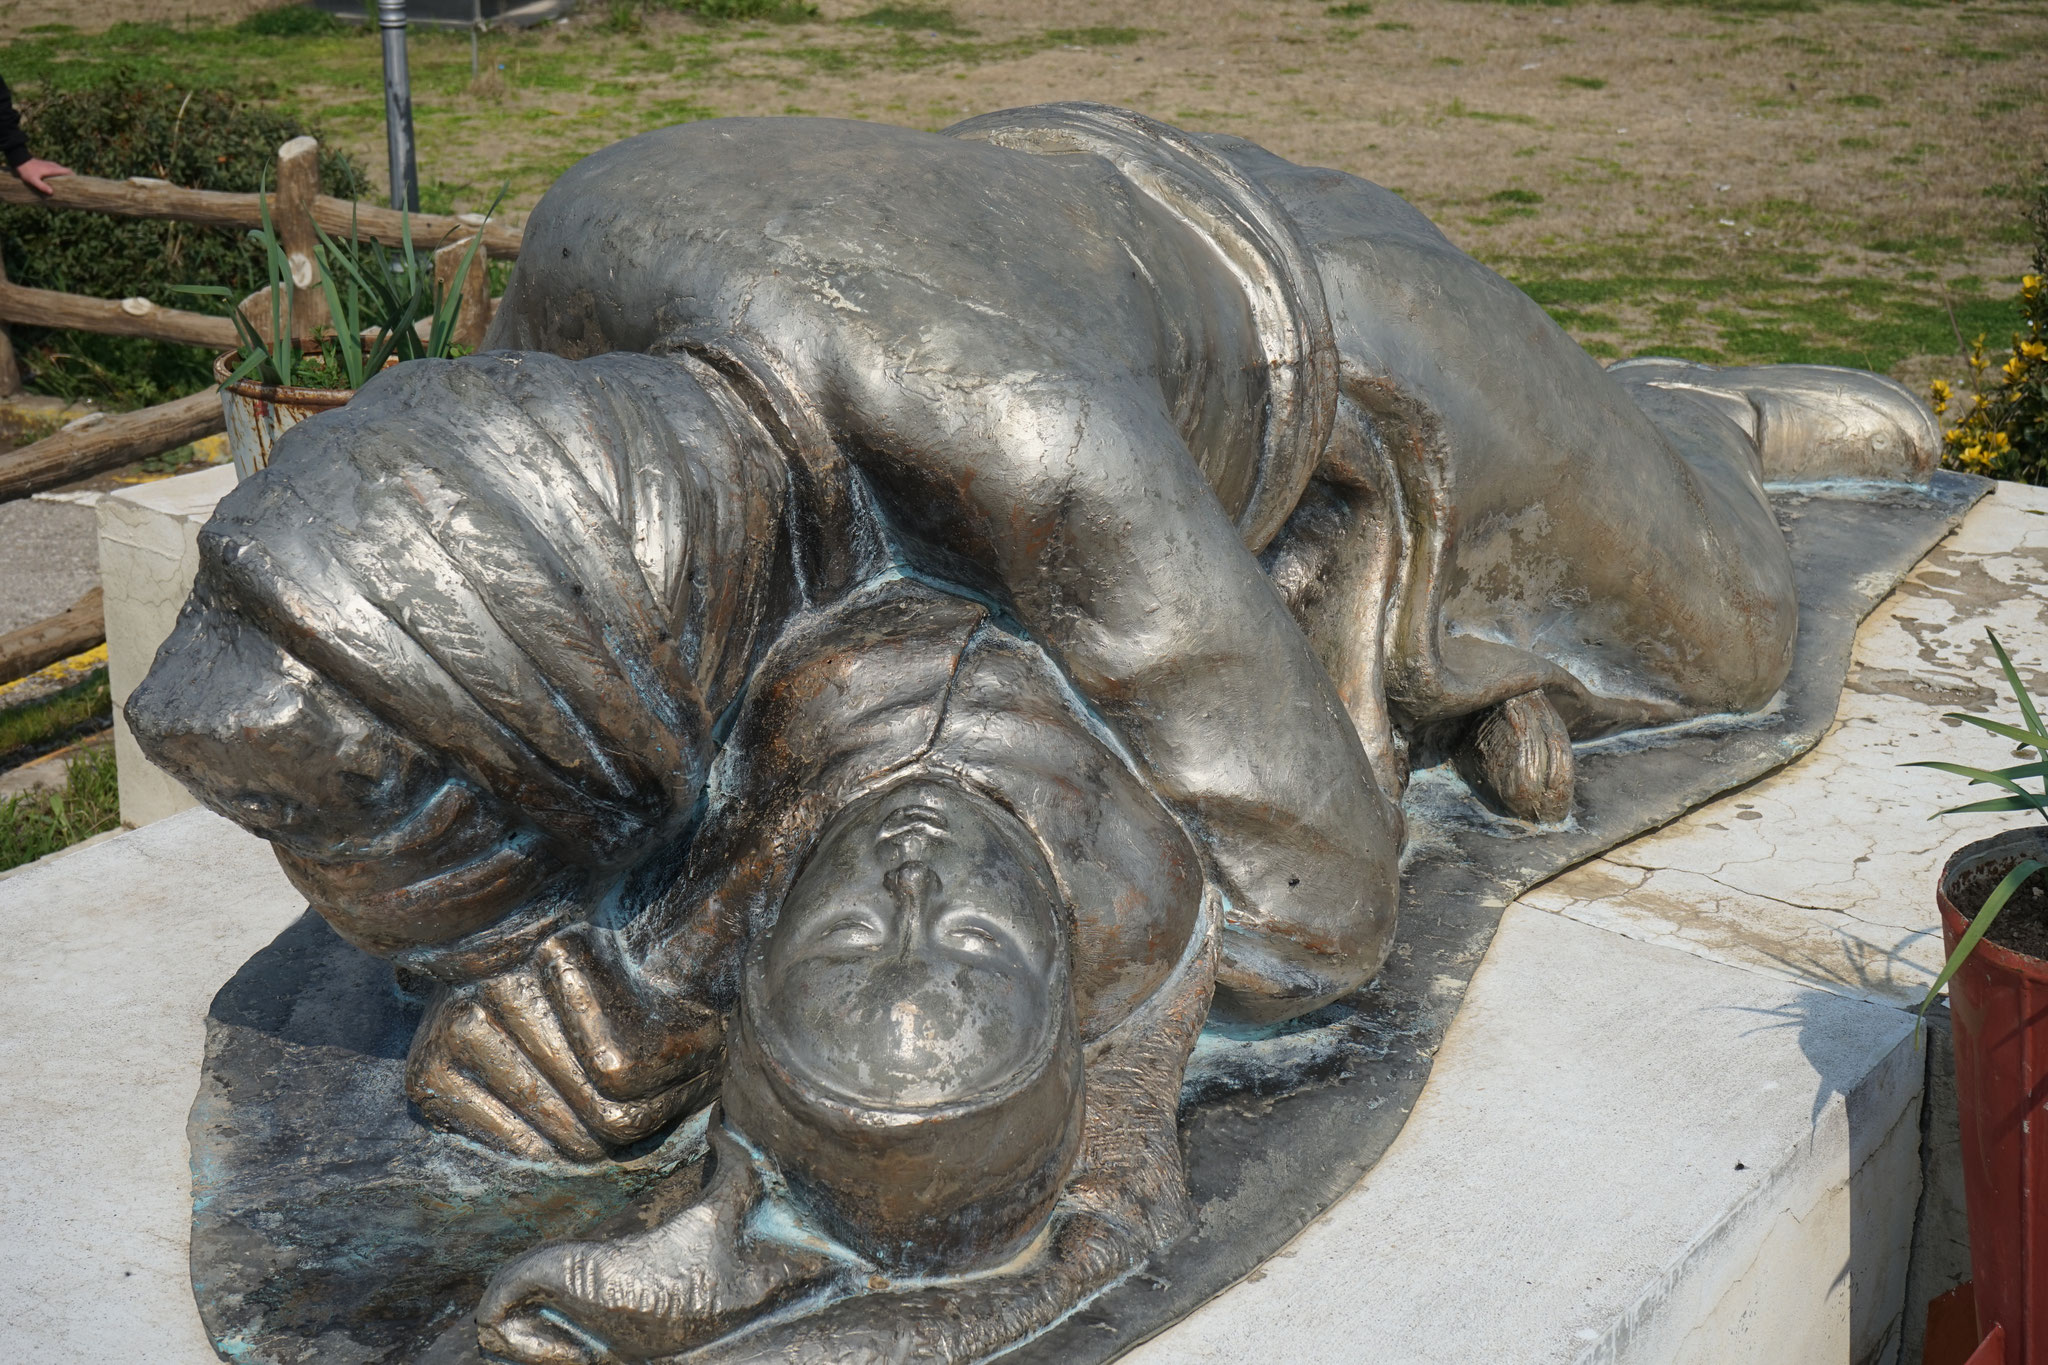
[[1998, 1005]]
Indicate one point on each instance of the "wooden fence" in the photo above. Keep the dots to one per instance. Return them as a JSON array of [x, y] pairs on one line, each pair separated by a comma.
[[295, 206]]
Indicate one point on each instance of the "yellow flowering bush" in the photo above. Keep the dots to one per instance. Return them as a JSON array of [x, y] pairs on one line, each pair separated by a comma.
[[2004, 433]]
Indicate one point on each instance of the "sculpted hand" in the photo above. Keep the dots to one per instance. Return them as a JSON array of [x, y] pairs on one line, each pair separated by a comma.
[[568, 1054]]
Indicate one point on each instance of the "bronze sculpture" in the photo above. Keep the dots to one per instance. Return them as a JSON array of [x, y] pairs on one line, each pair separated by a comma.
[[584, 678]]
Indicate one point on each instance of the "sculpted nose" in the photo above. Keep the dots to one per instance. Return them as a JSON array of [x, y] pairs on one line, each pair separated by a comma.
[[912, 886]]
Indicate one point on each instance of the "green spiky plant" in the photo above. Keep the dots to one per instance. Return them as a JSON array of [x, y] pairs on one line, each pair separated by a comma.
[[376, 296], [2030, 736]]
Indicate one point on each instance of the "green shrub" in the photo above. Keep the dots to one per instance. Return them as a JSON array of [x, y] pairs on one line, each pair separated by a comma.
[[123, 126], [36, 823], [2005, 431]]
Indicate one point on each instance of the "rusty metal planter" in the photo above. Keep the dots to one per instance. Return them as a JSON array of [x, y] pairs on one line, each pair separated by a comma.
[[1999, 1005], [257, 414]]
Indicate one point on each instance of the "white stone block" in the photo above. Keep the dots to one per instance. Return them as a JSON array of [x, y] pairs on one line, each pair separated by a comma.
[[114, 954], [149, 552]]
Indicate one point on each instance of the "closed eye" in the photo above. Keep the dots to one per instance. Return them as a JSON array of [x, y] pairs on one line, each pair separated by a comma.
[[971, 934], [851, 927]]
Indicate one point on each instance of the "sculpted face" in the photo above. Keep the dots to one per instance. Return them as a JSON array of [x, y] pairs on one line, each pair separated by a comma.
[[916, 960]]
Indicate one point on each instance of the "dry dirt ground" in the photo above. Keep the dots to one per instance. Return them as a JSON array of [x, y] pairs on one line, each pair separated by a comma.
[[1835, 182], [21, 16]]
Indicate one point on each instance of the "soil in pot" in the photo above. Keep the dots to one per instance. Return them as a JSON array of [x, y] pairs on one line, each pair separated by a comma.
[[2022, 927]]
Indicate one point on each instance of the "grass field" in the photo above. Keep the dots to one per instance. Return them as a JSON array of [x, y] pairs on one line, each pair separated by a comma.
[[1776, 180]]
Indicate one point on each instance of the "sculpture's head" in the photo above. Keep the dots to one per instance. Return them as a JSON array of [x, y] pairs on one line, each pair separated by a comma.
[[907, 1043], [458, 650], [916, 960]]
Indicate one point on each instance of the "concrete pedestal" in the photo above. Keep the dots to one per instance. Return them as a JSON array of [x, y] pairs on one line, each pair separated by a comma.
[[1677, 1121], [149, 552]]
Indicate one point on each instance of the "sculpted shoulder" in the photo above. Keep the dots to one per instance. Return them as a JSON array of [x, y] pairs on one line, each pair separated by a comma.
[[823, 236]]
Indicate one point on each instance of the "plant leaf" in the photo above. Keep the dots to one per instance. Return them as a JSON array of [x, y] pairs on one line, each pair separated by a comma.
[[2031, 739], [448, 311], [2024, 801], [2002, 776], [2019, 689], [1967, 944]]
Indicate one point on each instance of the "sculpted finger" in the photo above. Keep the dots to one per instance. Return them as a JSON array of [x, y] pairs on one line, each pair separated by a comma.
[[628, 1048], [488, 1053], [452, 1100], [523, 1010]]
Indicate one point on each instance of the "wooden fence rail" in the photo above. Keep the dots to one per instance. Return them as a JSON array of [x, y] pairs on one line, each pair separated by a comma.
[[107, 442], [136, 317], [71, 631], [144, 198], [102, 442]]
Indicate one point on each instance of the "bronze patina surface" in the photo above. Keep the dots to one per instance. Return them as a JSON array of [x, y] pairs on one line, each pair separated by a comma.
[[900, 630]]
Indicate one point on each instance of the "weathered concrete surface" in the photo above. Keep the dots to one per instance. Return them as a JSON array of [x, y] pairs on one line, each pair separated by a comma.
[[112, 955], [1625, 1153], [1823, 872], [49, 558], [149, 552]]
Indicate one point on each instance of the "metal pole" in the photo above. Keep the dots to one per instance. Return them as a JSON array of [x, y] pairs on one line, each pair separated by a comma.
[[405, 171]]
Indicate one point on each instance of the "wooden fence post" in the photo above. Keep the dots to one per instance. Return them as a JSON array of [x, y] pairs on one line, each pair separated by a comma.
[[475, 287], [291, 210], [10, 367], [293, 194]]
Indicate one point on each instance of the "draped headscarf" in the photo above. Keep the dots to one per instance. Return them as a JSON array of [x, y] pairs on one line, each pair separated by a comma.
[[461, 650]]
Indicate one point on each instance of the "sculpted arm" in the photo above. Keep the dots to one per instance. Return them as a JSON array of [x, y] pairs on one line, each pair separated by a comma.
[[1077, 501]]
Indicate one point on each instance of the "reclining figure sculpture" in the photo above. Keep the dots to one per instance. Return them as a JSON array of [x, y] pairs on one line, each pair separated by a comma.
[[897, 627]]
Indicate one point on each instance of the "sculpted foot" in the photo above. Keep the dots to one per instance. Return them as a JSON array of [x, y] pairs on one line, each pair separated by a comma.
[[690, 1280], [1811, 421], [1519, 757]]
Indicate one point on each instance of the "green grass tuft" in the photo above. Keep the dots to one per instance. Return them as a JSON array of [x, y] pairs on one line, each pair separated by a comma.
[[1098, 35], [38, 823], [930, 18], [291, 21], [50, 723]]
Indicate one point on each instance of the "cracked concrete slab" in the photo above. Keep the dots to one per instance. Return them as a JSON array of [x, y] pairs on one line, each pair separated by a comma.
[[1823, 872], [1625, 1156]]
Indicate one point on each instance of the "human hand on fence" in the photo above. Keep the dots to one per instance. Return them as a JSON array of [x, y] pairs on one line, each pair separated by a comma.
[[36, 173]]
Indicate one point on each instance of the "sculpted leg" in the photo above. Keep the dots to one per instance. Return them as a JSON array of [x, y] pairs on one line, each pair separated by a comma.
[[1808, 421], [693, 1277]]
